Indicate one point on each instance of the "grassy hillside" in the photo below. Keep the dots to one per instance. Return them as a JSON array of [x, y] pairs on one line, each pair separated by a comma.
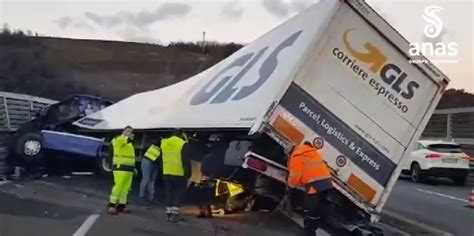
[[55, 67]]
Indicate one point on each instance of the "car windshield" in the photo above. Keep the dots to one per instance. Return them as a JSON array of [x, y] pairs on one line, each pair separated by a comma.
[[445, 148]]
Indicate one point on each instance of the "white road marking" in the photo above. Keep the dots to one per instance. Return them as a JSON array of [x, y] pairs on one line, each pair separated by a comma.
[[442, 195], [82, 173], [86, 225], [4, 182]]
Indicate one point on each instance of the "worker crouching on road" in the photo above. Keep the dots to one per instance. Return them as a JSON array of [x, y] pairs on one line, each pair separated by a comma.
[[149, 173], [308, 169], [176, 170], [123, 170]]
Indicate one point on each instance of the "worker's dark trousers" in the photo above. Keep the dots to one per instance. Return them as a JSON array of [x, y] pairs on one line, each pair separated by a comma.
[[313, 208], [174, 189]]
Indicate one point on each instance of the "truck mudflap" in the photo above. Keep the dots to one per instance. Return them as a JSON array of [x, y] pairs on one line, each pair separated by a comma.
[[71, 143]]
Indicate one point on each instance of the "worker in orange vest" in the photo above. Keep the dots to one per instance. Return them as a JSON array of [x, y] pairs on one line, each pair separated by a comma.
[[308, 169]]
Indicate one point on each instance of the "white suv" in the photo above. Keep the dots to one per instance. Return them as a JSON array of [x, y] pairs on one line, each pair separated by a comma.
[[438, 159]]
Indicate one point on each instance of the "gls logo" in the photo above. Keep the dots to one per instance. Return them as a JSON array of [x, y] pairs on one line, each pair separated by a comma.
[[390, 73], [221, 94]]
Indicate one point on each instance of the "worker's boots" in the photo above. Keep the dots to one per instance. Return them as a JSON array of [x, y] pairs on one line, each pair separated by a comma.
[[168, 212], [122, 208], [112, 211], [205, 212], [311, 225], [175, 216], [208, 212]]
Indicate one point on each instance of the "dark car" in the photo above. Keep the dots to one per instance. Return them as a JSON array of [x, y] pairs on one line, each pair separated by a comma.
[[26, 145]]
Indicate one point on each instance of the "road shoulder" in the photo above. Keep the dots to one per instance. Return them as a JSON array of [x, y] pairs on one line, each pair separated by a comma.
[[410, 226]]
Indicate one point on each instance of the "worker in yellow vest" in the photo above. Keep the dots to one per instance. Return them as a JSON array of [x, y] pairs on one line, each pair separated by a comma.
[[123, 170], [176, 170], [149, 167]]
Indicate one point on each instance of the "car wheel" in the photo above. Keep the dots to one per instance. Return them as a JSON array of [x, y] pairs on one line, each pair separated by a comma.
[[104, 162], [29, 147], [416, 174], [460, 181], [104, 166]]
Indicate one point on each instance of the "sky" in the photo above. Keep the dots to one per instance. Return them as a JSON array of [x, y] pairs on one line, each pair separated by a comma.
[[240, 21]]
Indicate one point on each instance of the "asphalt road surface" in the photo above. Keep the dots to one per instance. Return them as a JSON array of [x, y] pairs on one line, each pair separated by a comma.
[[438, 204], [53, 206]]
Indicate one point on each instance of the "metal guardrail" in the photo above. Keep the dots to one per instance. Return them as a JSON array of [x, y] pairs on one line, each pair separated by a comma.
[[3, 153], [455, 125], [452, 124], [15, 110]]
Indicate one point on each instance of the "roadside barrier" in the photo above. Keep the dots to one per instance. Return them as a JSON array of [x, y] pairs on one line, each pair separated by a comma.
[[15, 110], [3, 154]]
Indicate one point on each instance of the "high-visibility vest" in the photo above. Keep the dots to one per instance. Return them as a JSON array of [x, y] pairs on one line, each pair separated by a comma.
[[124, 152], [171, 149], [153, 152], [307, 168]]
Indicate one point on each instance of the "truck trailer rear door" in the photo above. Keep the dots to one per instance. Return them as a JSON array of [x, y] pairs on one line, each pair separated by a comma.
[[360, 100]]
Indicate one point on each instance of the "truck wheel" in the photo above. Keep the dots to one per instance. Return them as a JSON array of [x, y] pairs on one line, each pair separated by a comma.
[[416, 174], [460, 180], [29, 147]]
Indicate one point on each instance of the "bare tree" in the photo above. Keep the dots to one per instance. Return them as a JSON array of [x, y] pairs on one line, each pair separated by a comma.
[[6, 29]]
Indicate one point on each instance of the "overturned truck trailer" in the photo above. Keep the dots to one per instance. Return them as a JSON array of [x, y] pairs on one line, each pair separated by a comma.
[[337, 75]]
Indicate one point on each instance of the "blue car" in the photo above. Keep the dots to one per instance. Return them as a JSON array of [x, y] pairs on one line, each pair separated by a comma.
[[33, 139]]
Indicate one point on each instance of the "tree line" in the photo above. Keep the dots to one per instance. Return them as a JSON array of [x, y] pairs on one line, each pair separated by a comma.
[[26, 70]]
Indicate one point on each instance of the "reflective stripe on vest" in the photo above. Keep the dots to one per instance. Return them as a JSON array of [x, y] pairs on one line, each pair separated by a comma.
[[124, 152], [319, 186], [171, 149], [123, 168], [153, 152]]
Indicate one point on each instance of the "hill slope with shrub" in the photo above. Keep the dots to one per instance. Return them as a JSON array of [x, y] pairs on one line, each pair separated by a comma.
[[57, 67]]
